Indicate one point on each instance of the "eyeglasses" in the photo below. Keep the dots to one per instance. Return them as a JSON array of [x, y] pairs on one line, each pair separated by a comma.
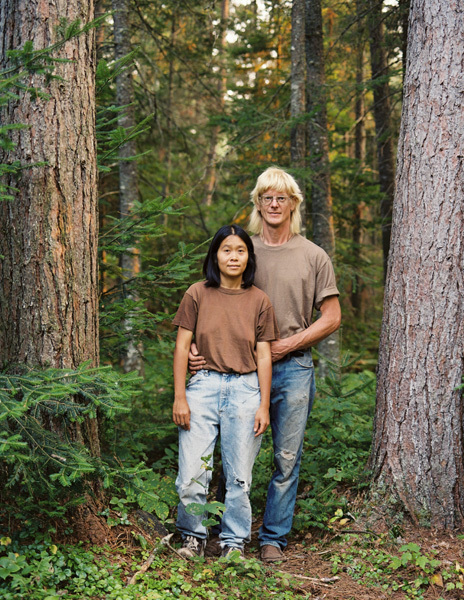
[[266, 200]]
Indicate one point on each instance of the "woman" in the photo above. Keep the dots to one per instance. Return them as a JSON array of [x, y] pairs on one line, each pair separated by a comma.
[[233, 323]]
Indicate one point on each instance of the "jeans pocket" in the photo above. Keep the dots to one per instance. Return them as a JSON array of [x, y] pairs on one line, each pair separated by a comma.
[[305, 361], [197, 377], [250, 381]]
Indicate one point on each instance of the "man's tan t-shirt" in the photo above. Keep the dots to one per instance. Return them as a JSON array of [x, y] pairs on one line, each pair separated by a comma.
[[227, 324], [296, 276]]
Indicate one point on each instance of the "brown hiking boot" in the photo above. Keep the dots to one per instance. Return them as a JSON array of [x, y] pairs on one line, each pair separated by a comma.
[[270, 554]]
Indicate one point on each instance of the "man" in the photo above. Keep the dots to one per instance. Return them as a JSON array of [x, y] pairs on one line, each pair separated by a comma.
[[298, 276]]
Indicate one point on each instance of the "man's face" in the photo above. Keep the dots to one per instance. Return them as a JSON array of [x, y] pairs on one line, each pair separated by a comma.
[[275, 208]]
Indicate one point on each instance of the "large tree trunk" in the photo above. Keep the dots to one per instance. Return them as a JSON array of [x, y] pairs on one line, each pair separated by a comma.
[[297, 100], [48, 233], [318, 146], [418, 439], [382, 118], [48, 276], [132, 359]]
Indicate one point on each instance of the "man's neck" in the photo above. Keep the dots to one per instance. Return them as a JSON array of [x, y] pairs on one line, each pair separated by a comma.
[[276, 236]]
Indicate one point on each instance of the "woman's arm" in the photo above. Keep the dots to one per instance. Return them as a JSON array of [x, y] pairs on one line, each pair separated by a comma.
[[262, 420], [181, 410]]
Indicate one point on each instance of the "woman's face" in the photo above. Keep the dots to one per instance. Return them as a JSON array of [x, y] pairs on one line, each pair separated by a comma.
[[232, 257]]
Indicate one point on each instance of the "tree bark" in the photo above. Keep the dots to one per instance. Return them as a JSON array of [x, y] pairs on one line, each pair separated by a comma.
[[297, 100], [48, 233], [418, 436], [318, 146], [382, 118], [132, 359]]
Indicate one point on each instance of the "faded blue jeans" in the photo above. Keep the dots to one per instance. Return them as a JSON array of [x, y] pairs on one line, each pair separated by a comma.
[[292, 396], [228, 402]]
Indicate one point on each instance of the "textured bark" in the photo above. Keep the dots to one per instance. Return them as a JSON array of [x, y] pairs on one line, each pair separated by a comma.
[[48, 233], [132, 359], [382, 118], [318, 147], [418, 438], [297, 100]]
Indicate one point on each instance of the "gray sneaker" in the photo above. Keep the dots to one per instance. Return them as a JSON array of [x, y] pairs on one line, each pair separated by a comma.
[[192, 547]]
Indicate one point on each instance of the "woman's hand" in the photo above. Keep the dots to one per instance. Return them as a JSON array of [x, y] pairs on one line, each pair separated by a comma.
[[262, 421], [181, 413]]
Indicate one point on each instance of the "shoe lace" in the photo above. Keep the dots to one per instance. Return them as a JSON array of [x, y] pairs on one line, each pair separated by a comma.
[[192, 543]]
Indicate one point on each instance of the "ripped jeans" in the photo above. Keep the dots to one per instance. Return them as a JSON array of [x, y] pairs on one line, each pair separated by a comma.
[[292, 396], [227, 402]]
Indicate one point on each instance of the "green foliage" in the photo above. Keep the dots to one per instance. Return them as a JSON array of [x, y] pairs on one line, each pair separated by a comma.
[[412, 572], [148, 299], [39, 409], [45, 571], [46, 469], [336, 448], [337, 444], [110, 136], [212, 508]]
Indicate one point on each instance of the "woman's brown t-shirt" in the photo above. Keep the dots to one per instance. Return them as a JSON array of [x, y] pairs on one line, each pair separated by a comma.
[[227, 324]]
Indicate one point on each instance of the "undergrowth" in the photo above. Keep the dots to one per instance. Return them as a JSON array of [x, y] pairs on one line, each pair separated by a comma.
[[379, 562], [41, 570]]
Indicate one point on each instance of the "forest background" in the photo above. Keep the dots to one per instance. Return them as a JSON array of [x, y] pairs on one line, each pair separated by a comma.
[[193, 101]]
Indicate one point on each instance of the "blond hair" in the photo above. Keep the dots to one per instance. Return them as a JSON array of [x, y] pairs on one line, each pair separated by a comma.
[[279, 180]]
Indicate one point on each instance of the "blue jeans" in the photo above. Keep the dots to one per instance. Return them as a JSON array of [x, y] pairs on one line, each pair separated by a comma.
[[228, 402], [292, 395]]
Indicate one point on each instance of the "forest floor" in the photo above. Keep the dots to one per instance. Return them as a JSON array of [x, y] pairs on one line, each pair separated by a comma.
[[385, 558], [350, 562], [359, 567]]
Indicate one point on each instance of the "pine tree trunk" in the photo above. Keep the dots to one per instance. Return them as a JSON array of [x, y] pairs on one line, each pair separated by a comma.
[[48, 233], [382, 118], [48, 275], [318, 146], [418, 439], [297, 100], [132, 359]]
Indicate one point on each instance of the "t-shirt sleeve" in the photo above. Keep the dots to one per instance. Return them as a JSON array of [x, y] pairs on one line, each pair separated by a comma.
[[187, 313], [267, 329], [325, 283]]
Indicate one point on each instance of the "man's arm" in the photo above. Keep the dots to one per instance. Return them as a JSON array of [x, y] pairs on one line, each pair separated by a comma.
[[328, 322]]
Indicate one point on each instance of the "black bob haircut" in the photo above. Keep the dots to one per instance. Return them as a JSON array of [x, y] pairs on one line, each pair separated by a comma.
[[210, 266]]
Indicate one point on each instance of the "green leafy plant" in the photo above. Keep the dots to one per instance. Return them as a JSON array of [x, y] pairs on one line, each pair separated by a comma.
[[212, 508], [336, 444]]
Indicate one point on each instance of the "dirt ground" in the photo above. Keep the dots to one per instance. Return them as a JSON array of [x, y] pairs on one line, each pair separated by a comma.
[[308, 556], [313, 569]]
